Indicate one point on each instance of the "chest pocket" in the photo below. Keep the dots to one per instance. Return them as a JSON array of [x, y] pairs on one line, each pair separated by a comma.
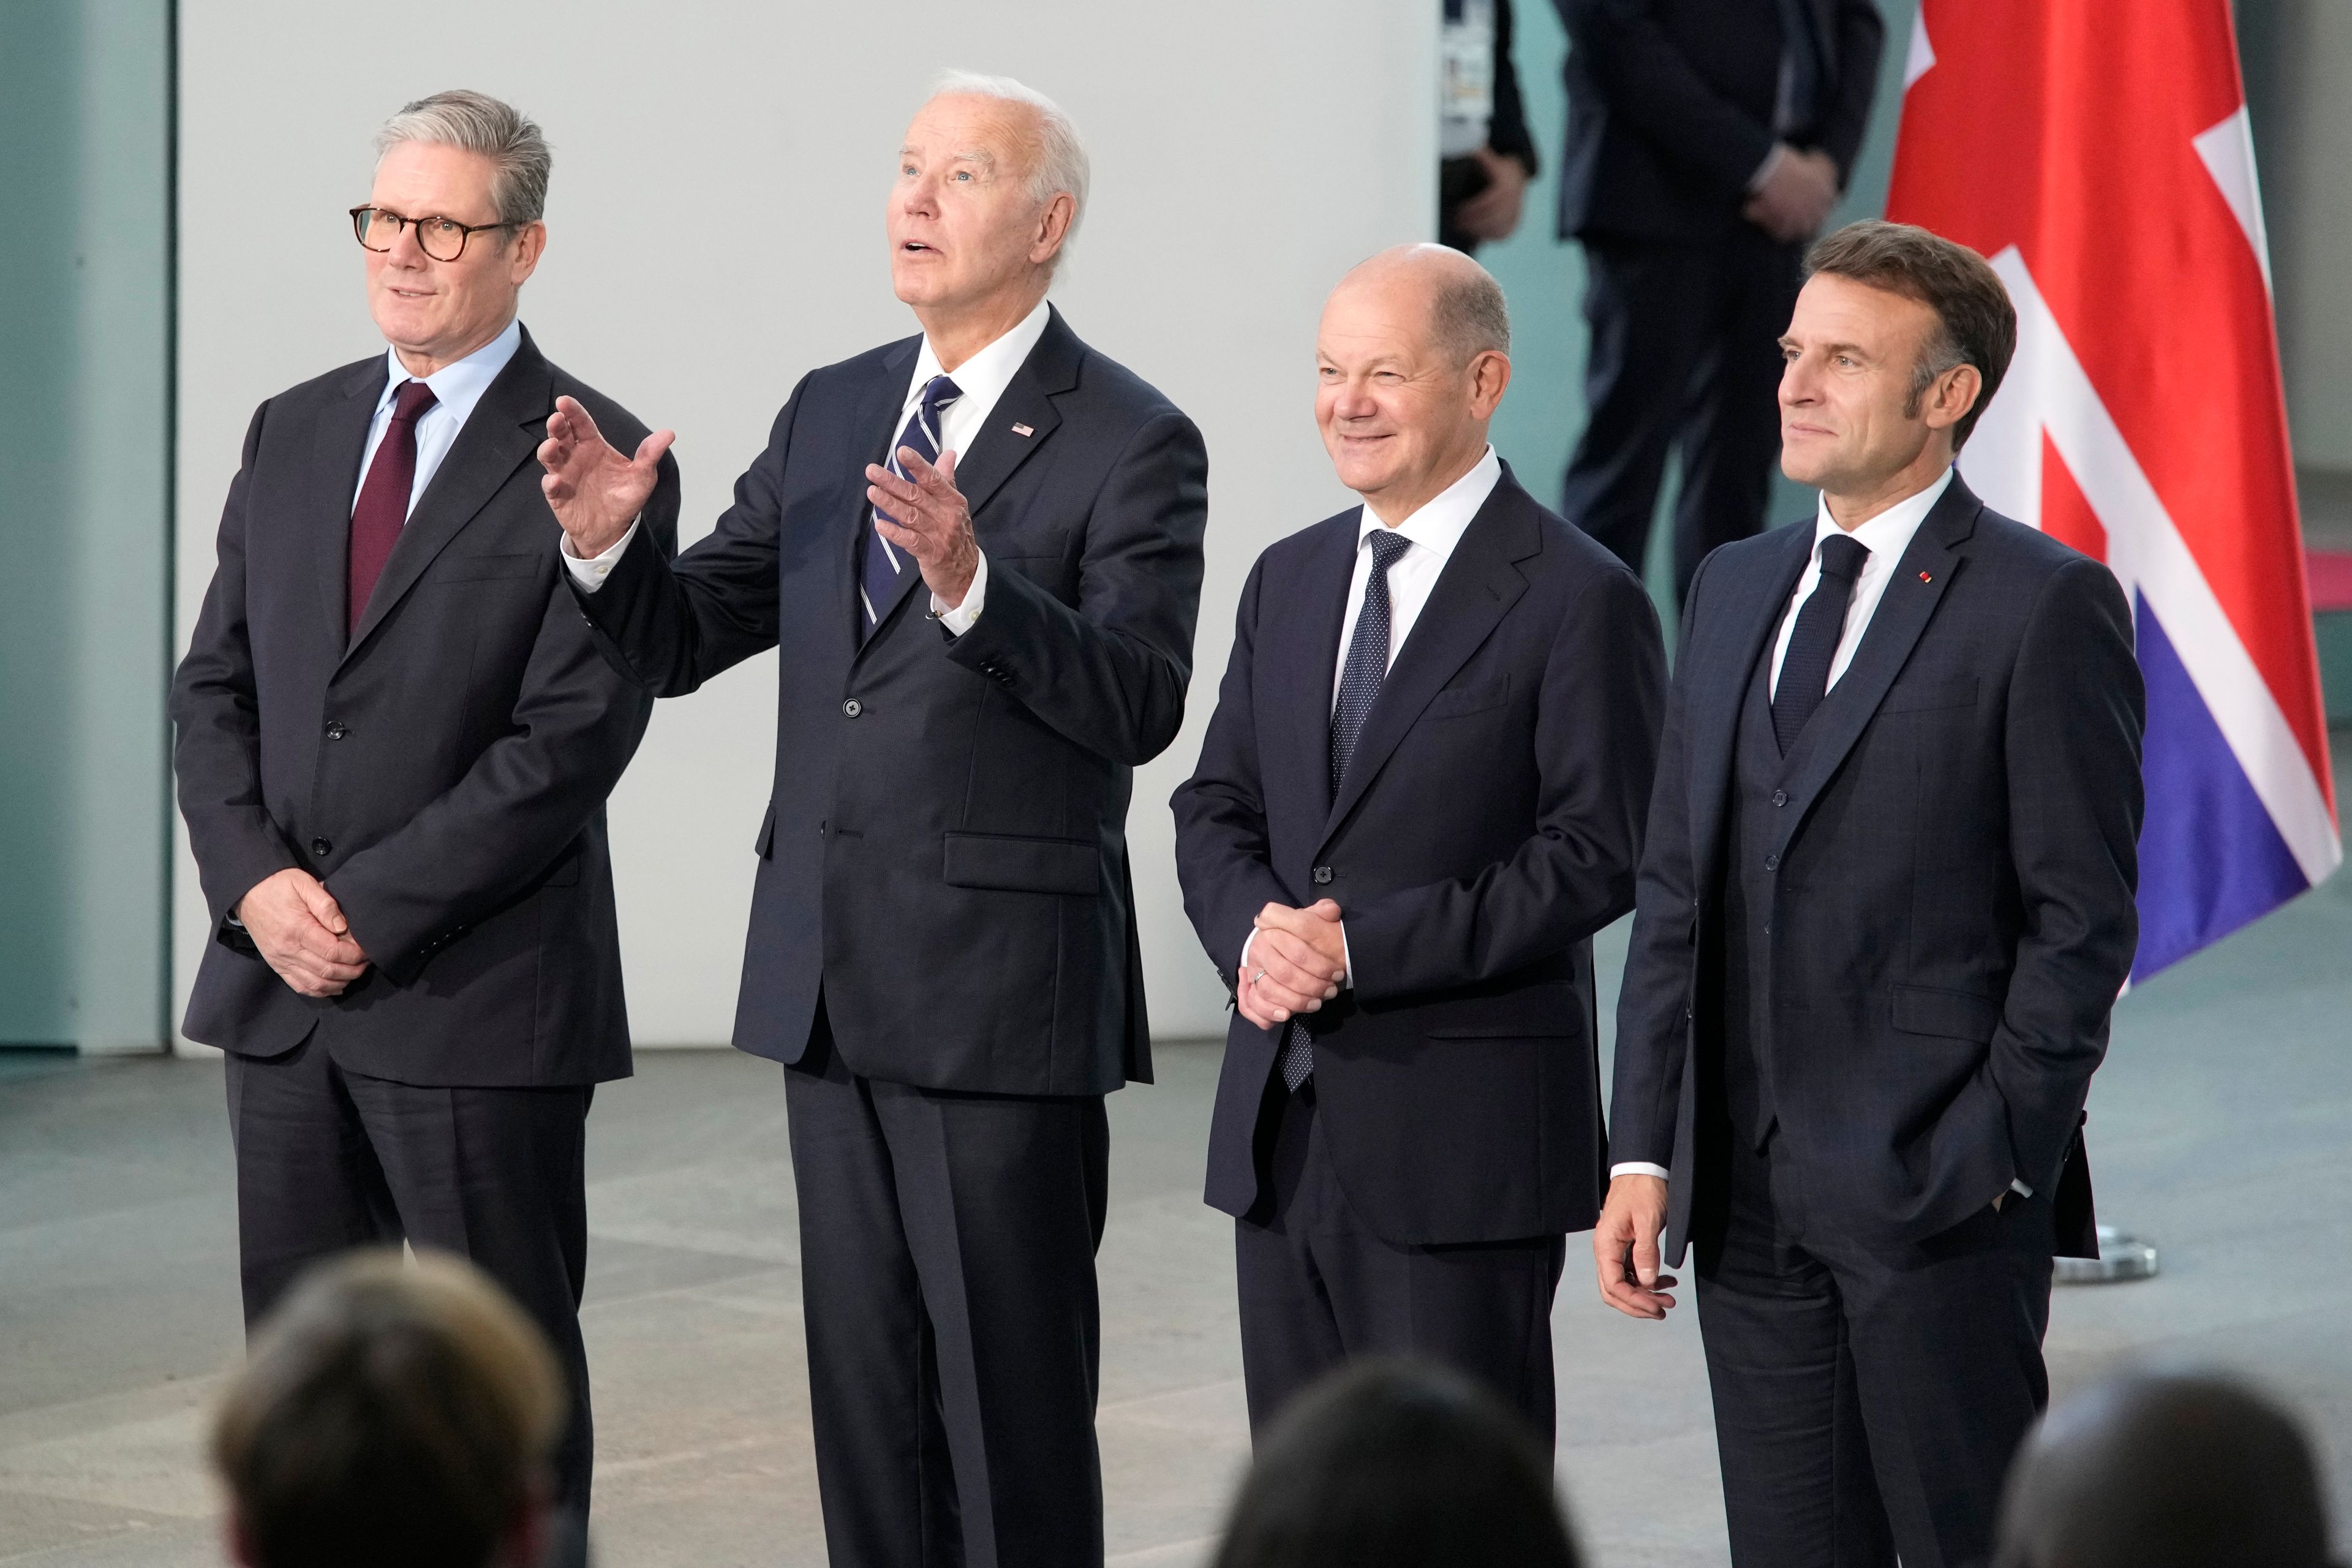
[[1475, 699], [485, 568], [1927, 696]]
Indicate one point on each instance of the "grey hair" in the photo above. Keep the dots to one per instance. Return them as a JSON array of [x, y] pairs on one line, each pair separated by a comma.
[[1061, 156], [1469, 318], [476, 122]]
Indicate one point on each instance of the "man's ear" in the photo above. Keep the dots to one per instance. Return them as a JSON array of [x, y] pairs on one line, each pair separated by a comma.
[[1954, 393], [1490, 375]]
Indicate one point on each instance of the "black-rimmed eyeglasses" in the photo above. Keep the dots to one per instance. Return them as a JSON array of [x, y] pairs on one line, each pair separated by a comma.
[[442, 238]]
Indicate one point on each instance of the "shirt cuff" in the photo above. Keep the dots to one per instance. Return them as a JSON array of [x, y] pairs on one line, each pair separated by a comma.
[[959, 620], [2021, 1189], [1640, 1168], [590, 574], [1764, 170]]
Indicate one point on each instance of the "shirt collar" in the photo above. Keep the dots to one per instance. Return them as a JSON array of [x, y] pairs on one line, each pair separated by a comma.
[[1887, 536], [1446, 516], [983, 378], [457, 387]]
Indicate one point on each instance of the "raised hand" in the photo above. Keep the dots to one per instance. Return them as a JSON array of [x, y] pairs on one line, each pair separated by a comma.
[[932, 522], [301, 932], [594, 492]]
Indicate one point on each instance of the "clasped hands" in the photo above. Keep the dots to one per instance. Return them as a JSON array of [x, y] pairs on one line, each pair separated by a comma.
[[1796, 197], [1297, 960], [302, 933]]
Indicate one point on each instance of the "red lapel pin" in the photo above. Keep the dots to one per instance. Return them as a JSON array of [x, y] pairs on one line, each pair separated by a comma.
[[1925, 578]]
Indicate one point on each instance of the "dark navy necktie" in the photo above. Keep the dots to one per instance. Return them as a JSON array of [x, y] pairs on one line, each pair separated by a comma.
[[1360, 684], [888, 567], [1812, 646]]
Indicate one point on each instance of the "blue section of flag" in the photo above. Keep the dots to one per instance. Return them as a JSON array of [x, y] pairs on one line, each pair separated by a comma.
[[2211, 859]]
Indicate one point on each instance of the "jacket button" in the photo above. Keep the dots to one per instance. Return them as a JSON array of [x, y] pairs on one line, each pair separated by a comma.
[[1779, 797], [852, 708], [320, 846], [335, 730], [1322, 875], [1772, 862]]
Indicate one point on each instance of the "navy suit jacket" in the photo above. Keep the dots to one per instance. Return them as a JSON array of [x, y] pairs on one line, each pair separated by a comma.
[[1489, 824], [1952, 915], [944, 855], [443, 770], [1670, 107]]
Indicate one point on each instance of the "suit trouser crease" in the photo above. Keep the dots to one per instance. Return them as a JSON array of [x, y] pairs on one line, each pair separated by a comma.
[[947, 1272], [1318, 1287], [329, 1160]]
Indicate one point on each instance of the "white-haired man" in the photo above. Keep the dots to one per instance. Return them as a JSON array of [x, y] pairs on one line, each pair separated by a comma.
[[978, 551], [396, 740]]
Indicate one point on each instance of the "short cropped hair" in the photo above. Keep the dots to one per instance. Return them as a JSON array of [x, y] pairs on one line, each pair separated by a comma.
[[476, 122], [1062, 163], [390, 1417], [1470, 317], [1977, 324], [1398, 1464]]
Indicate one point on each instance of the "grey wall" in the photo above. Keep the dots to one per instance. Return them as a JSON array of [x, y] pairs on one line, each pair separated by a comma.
[[84, 525], [716, 230]]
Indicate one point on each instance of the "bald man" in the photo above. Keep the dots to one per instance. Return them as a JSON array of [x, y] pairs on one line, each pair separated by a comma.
[[2169, 1470], [1422, 794]]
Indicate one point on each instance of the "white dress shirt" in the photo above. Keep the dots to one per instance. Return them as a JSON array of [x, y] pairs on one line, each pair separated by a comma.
[[456, 389], [1886, 537], [1430, 533], [979, 383]]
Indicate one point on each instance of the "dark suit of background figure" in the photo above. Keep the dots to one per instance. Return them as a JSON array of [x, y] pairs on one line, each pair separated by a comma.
[[1489, 822], [444, 772], [942, 948], [1463, 176], [1673, 108], [1867, 988]]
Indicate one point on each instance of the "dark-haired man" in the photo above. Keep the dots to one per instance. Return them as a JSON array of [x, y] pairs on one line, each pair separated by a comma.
[[1885, 910], [1421, 796]]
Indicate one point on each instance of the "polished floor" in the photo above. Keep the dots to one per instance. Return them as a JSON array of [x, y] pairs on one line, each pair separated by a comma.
[[2221, 1128]]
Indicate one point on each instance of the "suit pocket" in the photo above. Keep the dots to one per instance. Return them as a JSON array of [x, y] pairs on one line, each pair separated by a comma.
[[1923, 696], [484, 568], [1953, 1015], [1535, 1011], [766, 843], [1067, 866], [1454, 702]]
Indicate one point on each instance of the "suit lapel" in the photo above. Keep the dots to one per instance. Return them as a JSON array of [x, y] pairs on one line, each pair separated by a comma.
[[1477, 588], [342, 444], [1305, 650], [1921, 578], [997, 448], [1713, 719], [875, 420], [499, 435]]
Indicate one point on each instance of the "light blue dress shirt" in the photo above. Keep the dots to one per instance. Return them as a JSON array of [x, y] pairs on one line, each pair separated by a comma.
[[456, 389]]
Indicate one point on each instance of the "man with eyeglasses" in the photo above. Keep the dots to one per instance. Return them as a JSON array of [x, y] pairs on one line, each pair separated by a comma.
[[395, 739]]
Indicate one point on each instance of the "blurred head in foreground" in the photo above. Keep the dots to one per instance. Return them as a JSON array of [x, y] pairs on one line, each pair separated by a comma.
[[391, 1414], [1391, 1464], [2164, 1471]]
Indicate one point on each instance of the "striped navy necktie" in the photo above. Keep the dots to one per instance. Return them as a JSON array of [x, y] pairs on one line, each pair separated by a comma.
[[888, 569]]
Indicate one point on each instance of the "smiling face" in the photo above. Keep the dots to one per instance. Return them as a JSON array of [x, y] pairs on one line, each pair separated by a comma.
[[967, 233], [1851, 424], [437, 312], [1399, 417]]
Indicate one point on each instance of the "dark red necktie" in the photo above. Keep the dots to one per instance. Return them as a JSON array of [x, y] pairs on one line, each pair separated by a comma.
[[382, 506]]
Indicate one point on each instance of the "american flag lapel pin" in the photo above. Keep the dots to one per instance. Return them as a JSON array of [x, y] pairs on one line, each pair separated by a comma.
[[1022, 430]]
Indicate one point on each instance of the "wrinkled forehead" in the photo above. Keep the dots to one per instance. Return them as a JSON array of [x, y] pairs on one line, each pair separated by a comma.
[[994, 131], [1834, 309]]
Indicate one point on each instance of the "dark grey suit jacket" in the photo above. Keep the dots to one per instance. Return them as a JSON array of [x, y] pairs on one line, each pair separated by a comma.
[[944, 857], [1952, 917], [445, 773], [1489, 824]]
